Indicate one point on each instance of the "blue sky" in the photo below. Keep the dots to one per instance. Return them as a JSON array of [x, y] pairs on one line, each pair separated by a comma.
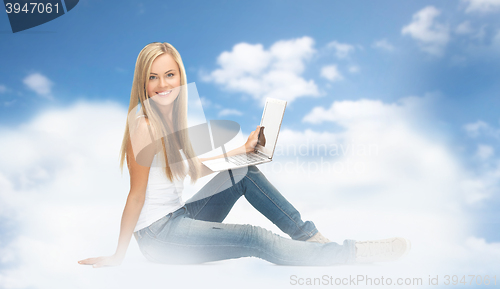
[[352, 68], [95, 59]]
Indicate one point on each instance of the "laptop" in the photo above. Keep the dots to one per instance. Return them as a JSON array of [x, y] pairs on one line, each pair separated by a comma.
[[270, 125]]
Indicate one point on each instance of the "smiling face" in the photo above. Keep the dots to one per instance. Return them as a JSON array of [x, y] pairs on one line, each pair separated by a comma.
[[164, 80]]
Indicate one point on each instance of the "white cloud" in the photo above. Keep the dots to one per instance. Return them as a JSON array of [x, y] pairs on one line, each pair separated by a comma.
[[228, 111], [431, 35], [384, 167], [51, 168], [481, 128], [9, 103], [261, 73], [366, 117], [205, 102], [40, 84], [331, 73], [482, 6], [484, 152], [354, 69], [362, 110], [383, 44], [3, 88], [342, 50], [496, 39], [464, 28], [474, 129], [60, 185]]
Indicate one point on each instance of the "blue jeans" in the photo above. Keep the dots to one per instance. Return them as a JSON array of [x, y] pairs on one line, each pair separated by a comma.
[[194, 233]]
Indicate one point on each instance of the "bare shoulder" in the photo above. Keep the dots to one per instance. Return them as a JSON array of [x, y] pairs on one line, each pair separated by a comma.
[[144, 129], [142, 121], [140, 133]]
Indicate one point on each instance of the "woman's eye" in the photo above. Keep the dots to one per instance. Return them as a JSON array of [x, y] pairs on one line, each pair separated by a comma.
[[152, 77], [170, 74]]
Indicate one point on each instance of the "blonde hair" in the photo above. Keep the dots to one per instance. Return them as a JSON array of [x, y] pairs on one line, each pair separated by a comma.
[[178, 139]]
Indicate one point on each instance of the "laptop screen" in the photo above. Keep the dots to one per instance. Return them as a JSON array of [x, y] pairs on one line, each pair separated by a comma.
[[270, 126]]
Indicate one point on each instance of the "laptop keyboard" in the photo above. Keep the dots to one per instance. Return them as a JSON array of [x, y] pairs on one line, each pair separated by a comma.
[[243, 159]]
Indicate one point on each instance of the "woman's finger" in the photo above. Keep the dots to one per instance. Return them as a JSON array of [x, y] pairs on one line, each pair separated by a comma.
[[89, 261], [85, 261], [256, 131]]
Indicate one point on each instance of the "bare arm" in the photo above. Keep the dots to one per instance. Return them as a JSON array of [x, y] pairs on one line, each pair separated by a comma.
[[135, 201], [130, 216], [248, 147]]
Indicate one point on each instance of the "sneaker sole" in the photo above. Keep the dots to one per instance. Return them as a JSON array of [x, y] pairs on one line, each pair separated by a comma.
[[407, 244], [408, 247]]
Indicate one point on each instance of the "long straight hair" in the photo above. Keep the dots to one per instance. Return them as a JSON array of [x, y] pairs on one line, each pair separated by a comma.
[[170, 146]]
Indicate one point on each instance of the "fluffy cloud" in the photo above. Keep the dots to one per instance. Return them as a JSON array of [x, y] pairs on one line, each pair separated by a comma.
[[383, 176], [431, 35], [354, 69], [384, 167], [482, 6], [228, 111], [496, 39], [393, 127], [40, 84], [481, 128], [484, 151], [364, 109], [331, 73], [3, 88], [51, 168], [464, 28], [262, 73], [480, 252], [342, 50], [383, 44]]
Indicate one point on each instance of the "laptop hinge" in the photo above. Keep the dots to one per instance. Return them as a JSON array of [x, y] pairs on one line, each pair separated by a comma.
[[262, 154]]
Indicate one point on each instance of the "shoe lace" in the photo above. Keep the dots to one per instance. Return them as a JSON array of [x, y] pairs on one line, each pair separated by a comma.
[[374, 248]]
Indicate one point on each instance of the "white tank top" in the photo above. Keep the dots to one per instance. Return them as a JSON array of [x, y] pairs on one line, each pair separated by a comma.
[[162, 195]]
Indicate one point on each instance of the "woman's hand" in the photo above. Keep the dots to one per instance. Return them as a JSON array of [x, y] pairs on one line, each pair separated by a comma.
[[252, 140], [248, 147], [112, 260]]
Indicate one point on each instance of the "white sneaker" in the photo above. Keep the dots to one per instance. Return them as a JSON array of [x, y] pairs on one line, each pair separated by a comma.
[[318, 238], [382, 250]]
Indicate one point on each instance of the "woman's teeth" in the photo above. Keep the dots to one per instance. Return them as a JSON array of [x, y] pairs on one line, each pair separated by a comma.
[[165, 92]]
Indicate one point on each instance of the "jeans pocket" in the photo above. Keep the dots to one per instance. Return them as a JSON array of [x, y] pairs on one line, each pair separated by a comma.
[[157, 227]]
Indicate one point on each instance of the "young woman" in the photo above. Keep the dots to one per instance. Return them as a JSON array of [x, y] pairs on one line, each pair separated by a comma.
[[169, 230]]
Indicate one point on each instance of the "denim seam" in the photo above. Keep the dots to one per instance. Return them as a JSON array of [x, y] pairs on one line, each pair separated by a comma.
[[250, 247], [208, 198], [307, 233], [148, 228]]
